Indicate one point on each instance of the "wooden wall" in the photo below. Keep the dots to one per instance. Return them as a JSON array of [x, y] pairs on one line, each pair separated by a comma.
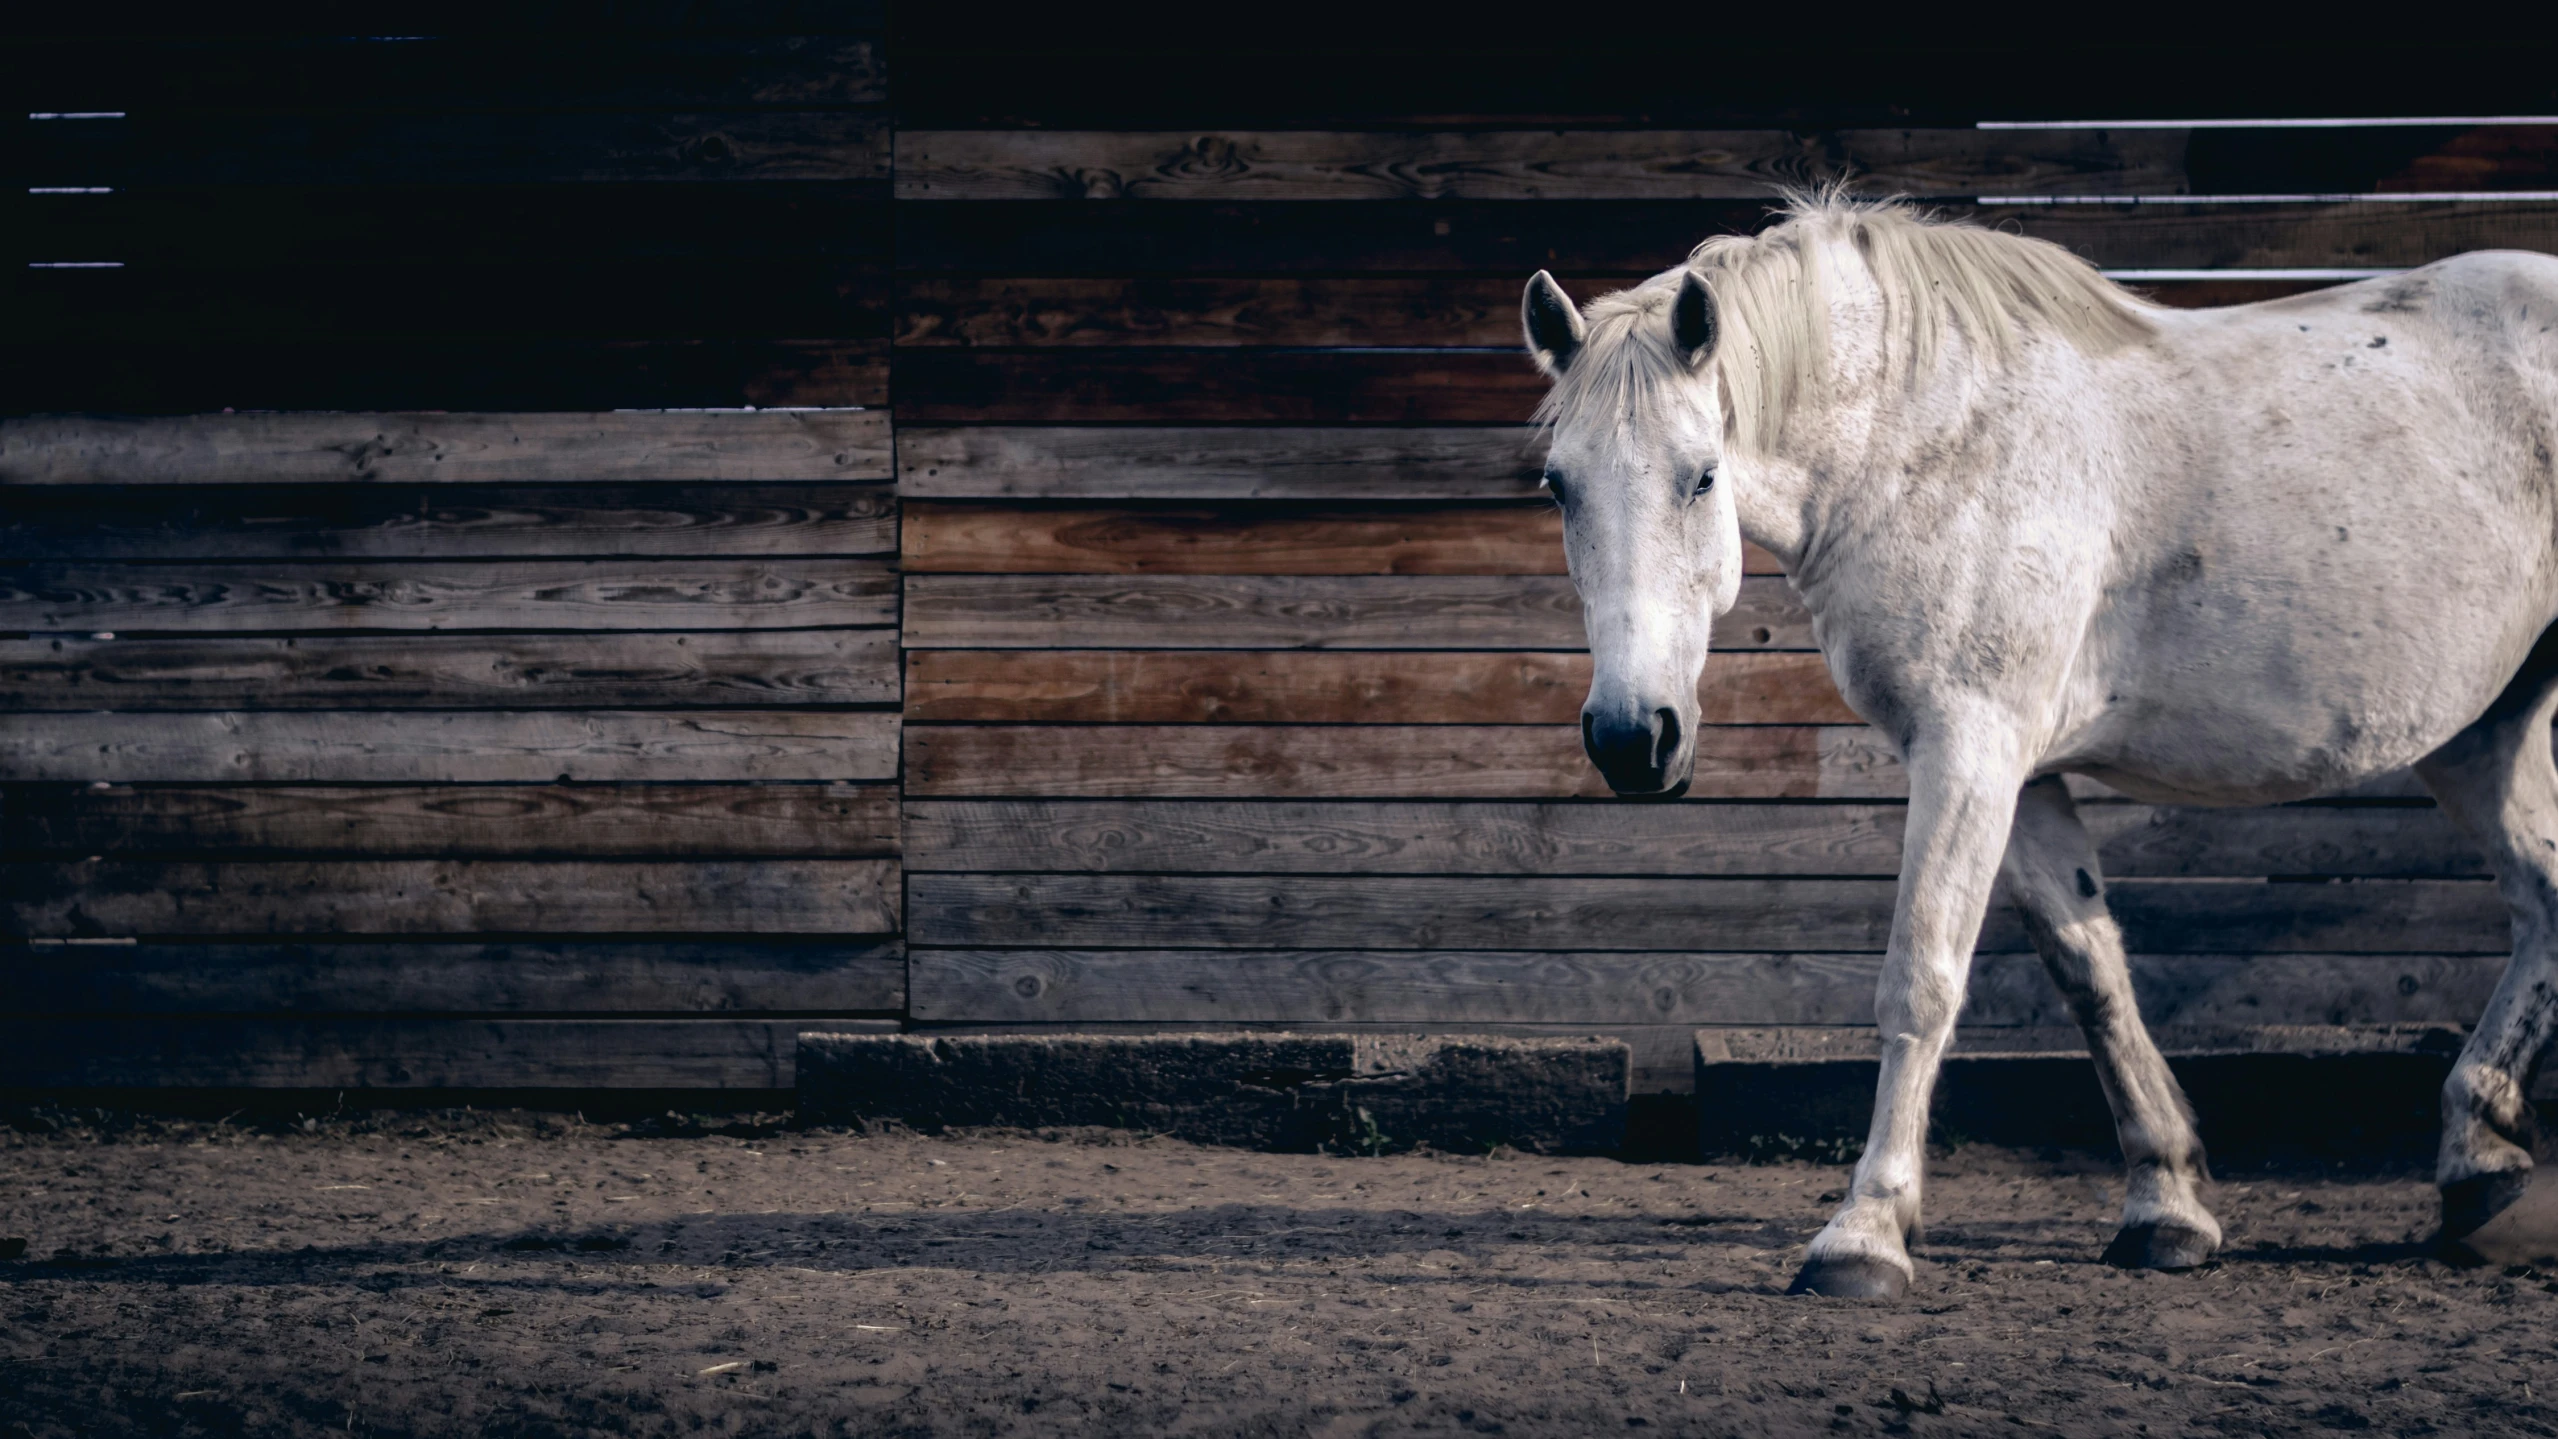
[[542, 744]]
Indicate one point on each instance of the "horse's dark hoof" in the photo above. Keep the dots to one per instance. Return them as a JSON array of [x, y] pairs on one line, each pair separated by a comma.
[[2469, 1203], [1850, 1278], [2160, 1246]]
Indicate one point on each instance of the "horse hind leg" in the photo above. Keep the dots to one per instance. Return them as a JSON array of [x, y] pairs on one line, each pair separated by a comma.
[[2497, 780], [2052, 876]]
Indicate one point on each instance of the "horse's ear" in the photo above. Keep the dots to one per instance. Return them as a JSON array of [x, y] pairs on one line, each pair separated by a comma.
[[1553, 323], [1692, 323]]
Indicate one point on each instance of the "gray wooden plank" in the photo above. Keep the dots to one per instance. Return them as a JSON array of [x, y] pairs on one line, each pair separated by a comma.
[[1603, 838], [1545, 164], [1081, 986], [1514, 912], [409, 977], [457, 747], [715, 668], [406, 1054], [272, 596], [1372, 762], [626, 447], [1406, 612], [308, 522], [1147, 462], [451, 821], [115, 897]]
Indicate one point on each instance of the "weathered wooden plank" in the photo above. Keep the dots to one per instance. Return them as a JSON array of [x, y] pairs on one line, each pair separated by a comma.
[[432, 372], [447, 72], [270, 596], [1246, 386], [1322, 687], [1064, 986], [1210, 311], [1643, 237], [388, 747], [721, 667], [623, 447], [542, 147], [1546, 164], [1398, 912], [413, 977], [1416, 612], [1135, 836], [414, 896], [1522, 539], [157, 522], [447, 821], [1239, 463], [1371, 762], [405, 1054]]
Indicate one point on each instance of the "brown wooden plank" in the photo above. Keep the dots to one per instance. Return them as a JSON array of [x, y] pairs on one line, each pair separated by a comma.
[[305, 522], [1324, 687], [1243, 386], [947, 538], [732, 668], [1234, 463], [1428, 912], [414, 896], [1370, 762], [447, 821], [628, 448], [486, 747], [1546, 164], [1418, 612], [412, 977], [1349, 837], [541, 147], [406, 1054], [271, 596], [1055, 986], [1076, 311]]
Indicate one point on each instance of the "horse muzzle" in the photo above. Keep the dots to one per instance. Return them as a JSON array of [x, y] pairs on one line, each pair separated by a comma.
[[1640, 750]]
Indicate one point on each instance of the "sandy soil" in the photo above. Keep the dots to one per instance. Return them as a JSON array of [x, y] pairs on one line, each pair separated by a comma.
[[517, 1274]]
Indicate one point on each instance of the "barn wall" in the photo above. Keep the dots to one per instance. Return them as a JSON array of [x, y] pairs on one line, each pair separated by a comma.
[[543, 745]]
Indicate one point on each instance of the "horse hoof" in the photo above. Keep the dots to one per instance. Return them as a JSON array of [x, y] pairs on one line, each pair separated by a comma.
[[1850, 1278], [2469, 1203], [2159, 1246]]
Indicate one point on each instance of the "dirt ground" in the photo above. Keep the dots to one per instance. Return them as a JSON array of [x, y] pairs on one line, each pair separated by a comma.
[[516, 1274]]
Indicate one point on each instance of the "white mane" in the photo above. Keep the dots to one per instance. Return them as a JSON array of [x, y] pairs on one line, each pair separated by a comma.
[[1771, 346]]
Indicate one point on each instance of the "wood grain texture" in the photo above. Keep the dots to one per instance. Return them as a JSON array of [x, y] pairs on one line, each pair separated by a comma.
[[424, 977], [405, 1053], [389, 747], [305, 522], [1136, 385], [450, 821], [713, 668], [1395, 912], [1416, 612], [1231, 463], [547, 147], [415, 896], [1324, 687], [1605, 838], [628, 448], [1370, 762], [1067, 986], [1545, 164], [271, 596], [1521, 539]]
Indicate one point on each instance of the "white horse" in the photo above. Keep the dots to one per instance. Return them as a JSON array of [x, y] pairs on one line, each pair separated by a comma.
[[2043, 527]]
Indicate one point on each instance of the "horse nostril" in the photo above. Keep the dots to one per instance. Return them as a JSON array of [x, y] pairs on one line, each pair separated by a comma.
[[1666, 745]]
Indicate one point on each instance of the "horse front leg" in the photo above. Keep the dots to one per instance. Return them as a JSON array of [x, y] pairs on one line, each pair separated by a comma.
[[1961, 802]]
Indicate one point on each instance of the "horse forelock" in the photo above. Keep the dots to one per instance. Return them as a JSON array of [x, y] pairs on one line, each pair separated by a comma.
[[1771, 350]]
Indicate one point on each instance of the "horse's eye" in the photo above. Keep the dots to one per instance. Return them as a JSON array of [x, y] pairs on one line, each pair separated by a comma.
[[1705, 479], [1554, 485]]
